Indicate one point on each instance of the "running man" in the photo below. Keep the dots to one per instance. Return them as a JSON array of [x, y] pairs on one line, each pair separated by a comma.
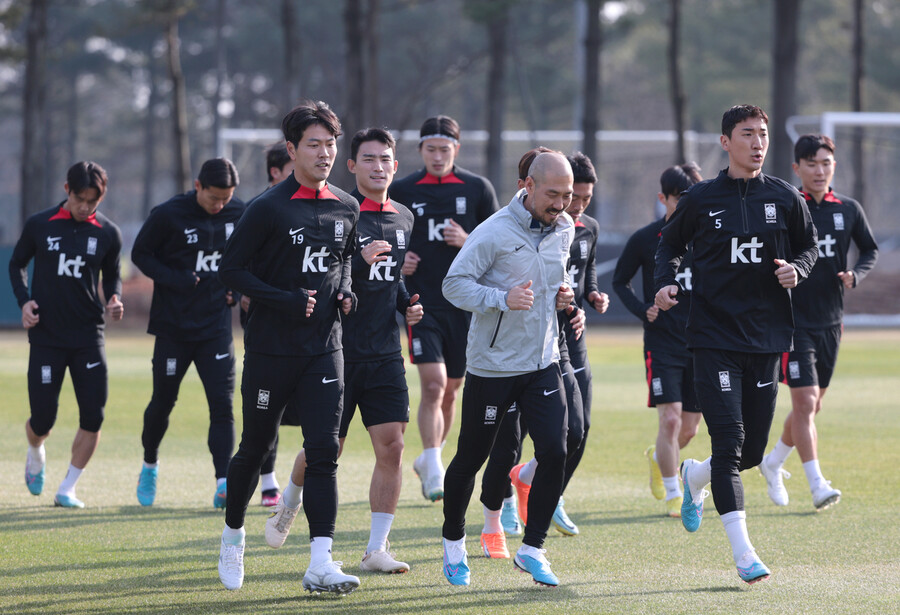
[[744, 225], [512, 276], [448, 202], [291, 253], [818, 314], [179, 247], [72, 245], [668, 362], [374, 376]]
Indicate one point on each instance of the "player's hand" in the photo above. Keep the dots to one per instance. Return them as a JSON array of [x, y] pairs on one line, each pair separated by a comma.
[[310, 302], [196, 278], [652, 313], [786, 274], [30, 314], [410, 263], [454, 234], [374, 251], [115, 308], [245, 303], [577, 319], [520, 297], [600, 301], [229, 298], [345, 302], [564, 296], [414, 313], [665, 298], [848, 278]]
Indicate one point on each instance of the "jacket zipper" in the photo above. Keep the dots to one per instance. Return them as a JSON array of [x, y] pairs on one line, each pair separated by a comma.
[[744, 206], [496, 330]]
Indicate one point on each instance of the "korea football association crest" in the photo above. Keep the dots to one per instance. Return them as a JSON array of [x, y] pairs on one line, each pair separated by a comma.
[[793, 370], [460, 206], [262, 399], [338, 230], [583, 245], [564, 243], [725, 381], [490, 415], [656, 383], [401, 239], [839, 222], [771, 213], [92, 246], [229, 229]]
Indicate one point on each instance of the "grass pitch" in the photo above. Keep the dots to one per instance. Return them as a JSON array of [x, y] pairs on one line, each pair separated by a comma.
[[118, 557]]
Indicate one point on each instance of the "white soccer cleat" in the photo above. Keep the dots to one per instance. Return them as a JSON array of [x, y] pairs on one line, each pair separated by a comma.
[[825, 496], [382, 561], [432, 484], [329, 577], [775, 482], [231, 565], [278, 525]]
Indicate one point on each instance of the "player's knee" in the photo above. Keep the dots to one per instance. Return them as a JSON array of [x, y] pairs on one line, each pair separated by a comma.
[[41, 425], [91, 421], [390, 453], [433, 390]]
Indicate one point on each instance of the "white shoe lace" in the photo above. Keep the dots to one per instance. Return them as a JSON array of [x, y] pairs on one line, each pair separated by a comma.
[[233, 558], [701, 496], [284, 518]]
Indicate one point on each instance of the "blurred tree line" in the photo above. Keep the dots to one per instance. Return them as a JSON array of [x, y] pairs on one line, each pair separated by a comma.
[[142, 86]]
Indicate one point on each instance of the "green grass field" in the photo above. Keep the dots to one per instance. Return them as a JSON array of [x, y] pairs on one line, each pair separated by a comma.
[[117, 557]]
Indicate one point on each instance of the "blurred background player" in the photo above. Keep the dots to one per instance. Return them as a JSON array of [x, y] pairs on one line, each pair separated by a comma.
[[668, 362], [744, 225], [818, 315], [179, 247], [72, 245], [447, 202]]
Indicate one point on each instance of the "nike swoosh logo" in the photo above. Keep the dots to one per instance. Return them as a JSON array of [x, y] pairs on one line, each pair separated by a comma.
[[293, 232], [219, 357], [327, 381], [762, 385], [519, 248], [93, 365], [362, 239], [548, 393], [580, 369], [188, 231], [716, 213], [416, 205]]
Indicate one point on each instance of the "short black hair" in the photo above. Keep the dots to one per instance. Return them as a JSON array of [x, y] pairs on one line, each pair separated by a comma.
[[276, 156], [371, 134], [808, 146], [218, 173], [528, 157], [582, 168], [87, 174], [306, 114], [738, 114], [679, 178], [439, 125]]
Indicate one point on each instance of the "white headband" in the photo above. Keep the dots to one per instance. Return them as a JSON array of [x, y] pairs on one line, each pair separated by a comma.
[[438, 136]]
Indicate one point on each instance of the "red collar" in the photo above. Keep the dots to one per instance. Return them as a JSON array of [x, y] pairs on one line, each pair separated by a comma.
[[449, 178], [579, 223], [829, 196], [65, 214], [308, 193], [370, 205]]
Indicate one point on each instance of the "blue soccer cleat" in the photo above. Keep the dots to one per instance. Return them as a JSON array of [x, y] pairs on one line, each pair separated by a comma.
[[457, 573], [67, 501], [537, 566], [35, 482], [509, 519], [692, 505], [751, 569], [219, 498], [146, 487]]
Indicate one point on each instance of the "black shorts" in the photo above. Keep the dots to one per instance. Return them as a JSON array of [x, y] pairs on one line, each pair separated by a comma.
[[670, 379], [379, 389], [440, 337], [813, 359], [46, 370]]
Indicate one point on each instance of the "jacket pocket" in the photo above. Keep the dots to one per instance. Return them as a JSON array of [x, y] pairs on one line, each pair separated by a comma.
[[496, 330]]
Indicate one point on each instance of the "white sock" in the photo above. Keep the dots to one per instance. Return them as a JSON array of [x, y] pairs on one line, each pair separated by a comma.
[[735, 524], [779, 454], [35, 459], [150, 466], [67, 487], [380, 528], [529, 550], [219, 482], [491, 521], [432, 458], [319, 551], [451, 553], [233, 537], [813, 474], [699, 476], [268, 481], [526, 474], [511, 501], [673, 489], [292, 495]]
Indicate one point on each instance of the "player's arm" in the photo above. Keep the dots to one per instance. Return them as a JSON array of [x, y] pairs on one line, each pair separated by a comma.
[[346, 298], [461, 287], [803, 238], [111, 271], [23, 252], [627, 266], [868, 251], [149, 243], [673, 242], [598, 300]]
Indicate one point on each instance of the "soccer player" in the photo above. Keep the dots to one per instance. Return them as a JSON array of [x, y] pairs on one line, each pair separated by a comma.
[[668, 363], [291, 254], [374, 376], [72, 245], [818, 312], [744, 225], [512, 276], [179, 247], [448, 202]]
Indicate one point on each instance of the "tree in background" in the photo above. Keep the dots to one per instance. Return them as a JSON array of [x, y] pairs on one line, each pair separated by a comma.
[[856, 89], [182, 147], [590, 123], [33, 111], [786, 14], [291, 83], [676, 88]]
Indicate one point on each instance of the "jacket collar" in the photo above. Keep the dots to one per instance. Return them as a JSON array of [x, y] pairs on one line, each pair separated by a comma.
[[516, 207]]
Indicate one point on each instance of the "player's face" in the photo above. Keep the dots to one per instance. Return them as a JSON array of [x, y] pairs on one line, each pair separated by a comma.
[[279, 174], [549, 198], [82, 204], [747, 147], [374, 167], [439, 155], [212, 199], [314, 156], [670, 201], [581, 197], [816, 173]]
